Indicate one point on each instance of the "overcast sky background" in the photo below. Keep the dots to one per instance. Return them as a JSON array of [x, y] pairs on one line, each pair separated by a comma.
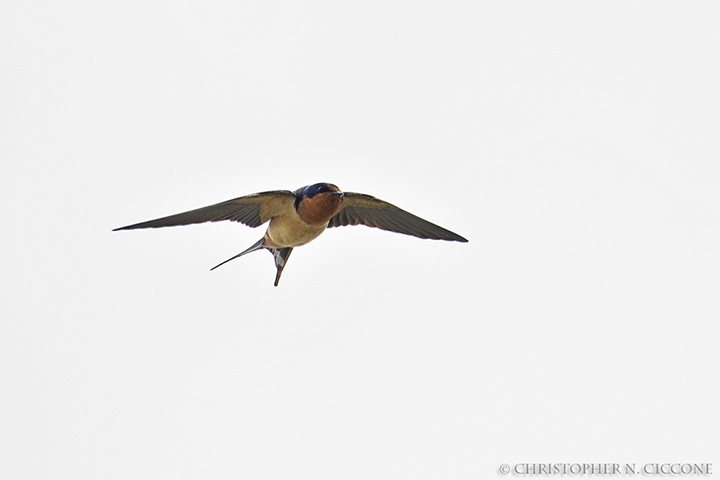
[[575, 144]]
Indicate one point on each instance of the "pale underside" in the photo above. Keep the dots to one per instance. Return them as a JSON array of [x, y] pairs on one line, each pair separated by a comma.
[[290, 231]]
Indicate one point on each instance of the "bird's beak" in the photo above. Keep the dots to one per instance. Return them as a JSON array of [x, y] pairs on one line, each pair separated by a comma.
[[339, 194]]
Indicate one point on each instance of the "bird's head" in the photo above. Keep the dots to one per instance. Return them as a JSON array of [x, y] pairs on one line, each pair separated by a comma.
[[319, 202], [319, 188]]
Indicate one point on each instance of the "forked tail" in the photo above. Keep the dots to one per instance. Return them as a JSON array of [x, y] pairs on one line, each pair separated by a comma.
[[281, 256], [256, 246]]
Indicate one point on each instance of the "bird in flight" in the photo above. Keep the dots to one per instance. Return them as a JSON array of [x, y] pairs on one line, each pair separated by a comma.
[[299, 217]]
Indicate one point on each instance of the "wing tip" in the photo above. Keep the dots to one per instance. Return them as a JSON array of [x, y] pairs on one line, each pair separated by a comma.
[[459, 238], [452, 238], [136, 226]]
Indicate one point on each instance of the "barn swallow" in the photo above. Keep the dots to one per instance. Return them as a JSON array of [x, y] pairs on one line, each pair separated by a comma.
[[299, 217]]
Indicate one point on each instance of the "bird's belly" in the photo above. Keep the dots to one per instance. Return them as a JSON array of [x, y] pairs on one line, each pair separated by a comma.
[[287, 231]]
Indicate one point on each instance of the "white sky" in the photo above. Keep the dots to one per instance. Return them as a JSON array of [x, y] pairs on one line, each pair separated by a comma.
[[575, 144]]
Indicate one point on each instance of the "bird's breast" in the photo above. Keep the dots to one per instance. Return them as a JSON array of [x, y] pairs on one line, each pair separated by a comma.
[[291, 231], [305, 223]]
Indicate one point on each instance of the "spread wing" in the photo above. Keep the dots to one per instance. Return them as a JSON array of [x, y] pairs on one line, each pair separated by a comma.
[[360, 209], [252, 210]]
